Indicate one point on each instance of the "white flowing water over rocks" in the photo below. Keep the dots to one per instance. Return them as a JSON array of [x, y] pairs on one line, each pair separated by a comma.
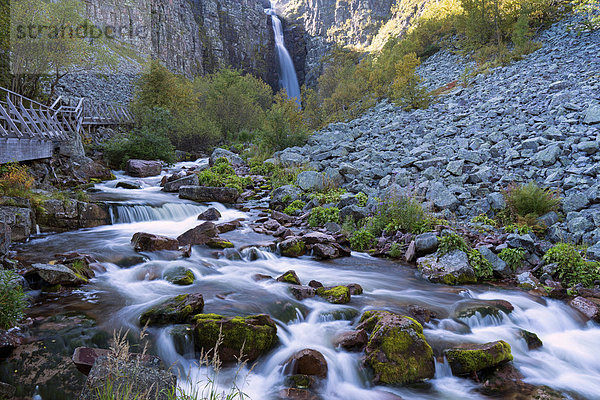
[[118, 296], [534, 119]]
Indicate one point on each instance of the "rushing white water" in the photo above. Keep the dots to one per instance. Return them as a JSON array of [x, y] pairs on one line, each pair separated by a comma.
[[288, 79], [567, 361]]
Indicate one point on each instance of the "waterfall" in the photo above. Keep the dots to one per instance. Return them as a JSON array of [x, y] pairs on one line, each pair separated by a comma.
[[287, 73]]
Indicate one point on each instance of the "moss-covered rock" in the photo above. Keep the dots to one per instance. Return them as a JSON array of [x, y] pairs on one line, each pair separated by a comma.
[[219, 243], [299, 381], [290, 277], [397, 351], [177, 310], [292, 247], [179, 276], [335, 295], [469, 358], [252, 336]]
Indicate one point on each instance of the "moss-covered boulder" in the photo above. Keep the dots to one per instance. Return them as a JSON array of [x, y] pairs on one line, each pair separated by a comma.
[[290, 277], [468, 358], [179, 276], [292, 247], [335, 295], [177, 310], [451, 269], [397, 351], [219, 243], [252, 336]]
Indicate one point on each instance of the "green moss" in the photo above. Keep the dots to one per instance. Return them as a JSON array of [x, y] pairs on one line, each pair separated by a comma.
[[218, 243], [301, 381], [336, 295], [290, 278], [295, 250], [478, 357], [172, 311]]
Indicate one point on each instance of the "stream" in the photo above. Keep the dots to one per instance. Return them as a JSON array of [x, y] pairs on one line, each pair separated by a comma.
[[568, 361]]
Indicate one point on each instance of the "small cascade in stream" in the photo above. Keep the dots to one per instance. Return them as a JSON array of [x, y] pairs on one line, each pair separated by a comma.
[[128, 213], [288, 79]]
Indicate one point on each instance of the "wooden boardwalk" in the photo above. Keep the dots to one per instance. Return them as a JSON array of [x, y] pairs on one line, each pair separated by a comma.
[[30, 130]]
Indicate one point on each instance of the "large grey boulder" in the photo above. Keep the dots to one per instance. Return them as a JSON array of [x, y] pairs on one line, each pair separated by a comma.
[[592, 115], [233, 158], [426, 243], [441, 197], [284, 195], [575, 202], [548, 156], [311, 181], [143, 168], [498, 265], [174, 186], [451, 269], [208, 194], [142, 241], [292, 159], [58, 274]]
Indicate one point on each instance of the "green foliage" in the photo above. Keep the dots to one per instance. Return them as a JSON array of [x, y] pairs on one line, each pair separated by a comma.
[[222, 174], [362, 199], [572, 267], [530, 201], [283, 125], [512, 257], [12, 300], [399, 213], [450, 242], [147, 142], [589, 10], [362, 240], [330, 196], [395, 250], [521, 229], [483, 220], [319, 216], [406, 88], [15, 180], [482, 267], [294, 206]]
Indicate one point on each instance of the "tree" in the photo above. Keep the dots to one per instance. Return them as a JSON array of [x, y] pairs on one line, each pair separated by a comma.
[[407, 89], [283, 125]]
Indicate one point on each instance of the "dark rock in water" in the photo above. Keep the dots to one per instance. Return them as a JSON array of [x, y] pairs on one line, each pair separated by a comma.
[[532, 340], [451, 269], [355, 289], [505, 381], [307, 362], [228, 226], [7, 391], [282, 218], [143, 168], [261, 277], [292, 247], [211, 214], [302, 292], [470, 307], [352, 340], [140, 379], [232, 254], [8, 342], [315, 284], [128, 185], [198, 235], [64, 215], [179, 276], [271, 225], [256, 334], [421, 314], [325, 252], [58, 274], [183, 339], [290, 277], [177, 310], [335, 295], [150, 242], [85, 357], [587, 307], [468, 358], [397, 350], [174, 186], [208, 194], [297, 394]]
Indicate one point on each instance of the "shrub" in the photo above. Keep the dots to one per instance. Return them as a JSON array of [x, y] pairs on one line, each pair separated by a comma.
[[15, 180], [362, 240], [483, 220], [590, 11], [399, 213], [328, 196], [320, 216], [362, 199], [406, 89], [572, 268], [294, 206], [283, 125], [482, 267], [451, 242], [530, 200], [12, 299], [517, 228], [395, 250], [512, 257], [222, 174]]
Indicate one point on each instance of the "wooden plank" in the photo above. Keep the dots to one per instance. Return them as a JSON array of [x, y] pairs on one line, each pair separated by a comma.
[[22, 149], [11, 124], [33, 123], [24, 126]]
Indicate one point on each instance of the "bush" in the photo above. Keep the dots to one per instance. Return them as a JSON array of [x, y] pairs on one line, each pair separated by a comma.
[[319, 216], [590, 11], [451, 242], [483, 220], [15, 180], [395, 250], [12, 300], [482, 267], [572, 268], [399, 213], [362, 199], [406, 89], [512, 257], [362, 240], [328, 196], [222, 174], [283, 125], [294, 206], [530, 201]]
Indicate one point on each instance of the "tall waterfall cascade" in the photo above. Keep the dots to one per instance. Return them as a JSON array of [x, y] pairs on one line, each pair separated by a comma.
[[288, 79]]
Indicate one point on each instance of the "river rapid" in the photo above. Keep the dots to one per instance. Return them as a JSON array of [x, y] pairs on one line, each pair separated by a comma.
[[568, 361]]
